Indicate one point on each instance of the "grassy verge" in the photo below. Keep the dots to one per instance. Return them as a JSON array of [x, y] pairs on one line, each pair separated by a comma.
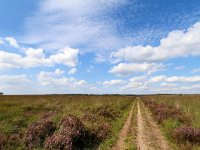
[[172, 114], [131, 139], [117, 126]]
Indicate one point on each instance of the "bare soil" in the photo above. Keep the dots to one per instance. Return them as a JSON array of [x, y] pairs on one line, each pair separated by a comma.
[[149, 136]]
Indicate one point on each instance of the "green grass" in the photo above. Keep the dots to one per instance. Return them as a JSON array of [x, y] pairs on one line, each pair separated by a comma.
[[130, 140], [189, 104], [17, 112]]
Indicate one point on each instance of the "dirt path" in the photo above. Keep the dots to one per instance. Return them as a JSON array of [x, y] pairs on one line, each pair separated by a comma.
[[149, 135], [120, 145], [141, 135]]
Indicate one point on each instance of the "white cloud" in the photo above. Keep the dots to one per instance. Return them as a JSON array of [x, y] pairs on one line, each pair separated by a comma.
[[129, 68], [158, 79], [50, 79], [59, 72], [13, 83], [73, 23], [80, 83], [195, 70], [72, 71], [165, 84], [177, 44], [36, 58], [12, 42], [139, 82], [13, 79], [164, 78], [113, 82], [66, 56], [100, 58]]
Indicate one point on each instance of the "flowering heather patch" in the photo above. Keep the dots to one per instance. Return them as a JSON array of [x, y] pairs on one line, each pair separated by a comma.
[[187, 133], [71, 126], [37, 132], [108, 112], [103, 131], [70, 134], [164, 111], [58, 142]]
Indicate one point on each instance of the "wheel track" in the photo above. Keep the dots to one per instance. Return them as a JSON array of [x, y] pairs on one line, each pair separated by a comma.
[[149, 136]]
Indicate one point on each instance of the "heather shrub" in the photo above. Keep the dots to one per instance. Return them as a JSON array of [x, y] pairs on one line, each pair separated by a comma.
[[37, 132], [70, 134], [103, 131], [187, 133], [58, 142], [71, 126], [163, 111], [107, 112]]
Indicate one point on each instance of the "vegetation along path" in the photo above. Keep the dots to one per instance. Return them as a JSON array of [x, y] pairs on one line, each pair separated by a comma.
[[120, 145], [149, 136]]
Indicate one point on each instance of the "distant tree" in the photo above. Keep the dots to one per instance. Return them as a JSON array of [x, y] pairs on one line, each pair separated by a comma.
[[1, 93]]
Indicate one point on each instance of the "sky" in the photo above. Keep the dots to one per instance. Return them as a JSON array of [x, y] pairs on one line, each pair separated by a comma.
[[99, 47]]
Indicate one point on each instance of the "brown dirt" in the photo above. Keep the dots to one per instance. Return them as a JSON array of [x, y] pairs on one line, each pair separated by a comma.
[[149, 135], [141, 135], [120, 145]]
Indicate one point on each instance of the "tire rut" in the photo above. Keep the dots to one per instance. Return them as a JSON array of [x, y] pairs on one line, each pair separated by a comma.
[[149, 134], [120, 145]]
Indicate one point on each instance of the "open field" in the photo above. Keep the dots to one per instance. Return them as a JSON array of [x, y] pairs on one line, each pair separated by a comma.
[[101, 116], [100, 122]]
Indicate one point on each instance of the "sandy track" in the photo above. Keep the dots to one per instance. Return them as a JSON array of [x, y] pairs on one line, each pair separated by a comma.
[[149, 136], [141, 135], [120, 145]]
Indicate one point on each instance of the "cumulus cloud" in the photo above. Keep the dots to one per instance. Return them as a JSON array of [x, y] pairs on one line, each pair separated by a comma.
[[163, 78], [129, 68], [113, 82], [50, 79], [179, 43], [36, 58], [162, 84], [59, 72], [67, 56], [139, 82], [13, 79], [12, 41], [14, 83]]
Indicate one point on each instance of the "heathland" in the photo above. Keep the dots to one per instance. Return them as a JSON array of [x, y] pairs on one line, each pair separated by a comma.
[[65, 122]]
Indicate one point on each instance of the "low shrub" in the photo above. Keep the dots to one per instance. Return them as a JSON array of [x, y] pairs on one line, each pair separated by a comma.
[[70, 135], [187, 133], [37, 132], [58, 142], [163, 111], [71, 126], [107, 112], [103, 131]]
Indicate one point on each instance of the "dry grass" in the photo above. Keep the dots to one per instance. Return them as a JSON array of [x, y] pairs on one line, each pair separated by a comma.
[[95, 112]]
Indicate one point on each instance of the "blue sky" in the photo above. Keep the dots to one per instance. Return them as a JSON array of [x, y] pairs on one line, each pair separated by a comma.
[[102, 46]]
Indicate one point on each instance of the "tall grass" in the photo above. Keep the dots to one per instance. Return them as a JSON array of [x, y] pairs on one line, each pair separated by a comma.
[[17, 112]]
